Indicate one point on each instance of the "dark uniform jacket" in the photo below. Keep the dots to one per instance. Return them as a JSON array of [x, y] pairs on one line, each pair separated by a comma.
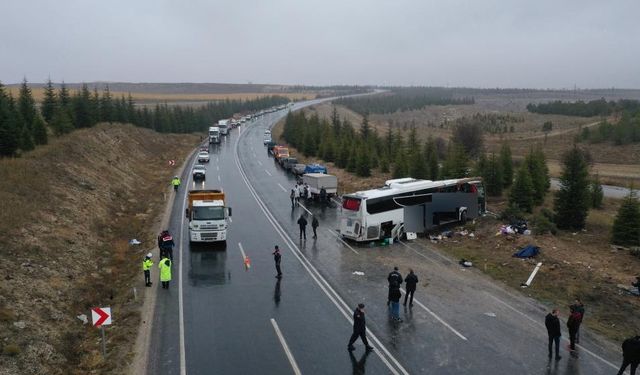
[[302, 222], [631, 349], [553, 325], [411, 280], [277, 257], [359, 324], [394, 276]]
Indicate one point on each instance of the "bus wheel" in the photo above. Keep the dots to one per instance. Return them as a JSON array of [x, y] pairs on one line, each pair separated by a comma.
[[463, 217]]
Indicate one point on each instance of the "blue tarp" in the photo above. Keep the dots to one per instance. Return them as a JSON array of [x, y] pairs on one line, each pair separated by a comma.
[[315, 168], [528, 251]]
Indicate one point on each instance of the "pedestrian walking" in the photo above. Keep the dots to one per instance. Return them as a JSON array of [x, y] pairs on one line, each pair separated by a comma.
[[292, 195], [359, 328], [302, 222], [630, 354], [147, 263], [276, 258], [394, 297], [314, 226], [393, 276], [411, 281], [578, 307], [166, 244], [165, 271], [573, 323], [552, 323]]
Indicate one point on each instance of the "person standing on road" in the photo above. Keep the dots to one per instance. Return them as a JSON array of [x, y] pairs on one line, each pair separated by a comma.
[[166, 244], [175, 182], [165, 271], [359, 329], [411, 282], [394, 297], [292, 195], [277, 257], [578, 307], [302, 222], [552, 323], [393, 276], [573, 323], [147, 263], [630, 354], [314, 226]]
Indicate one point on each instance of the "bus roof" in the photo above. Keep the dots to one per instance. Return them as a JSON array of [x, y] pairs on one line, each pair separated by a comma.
[[408, 184]]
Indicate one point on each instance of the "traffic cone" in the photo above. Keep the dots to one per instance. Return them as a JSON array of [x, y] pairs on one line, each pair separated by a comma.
[[247, 263]]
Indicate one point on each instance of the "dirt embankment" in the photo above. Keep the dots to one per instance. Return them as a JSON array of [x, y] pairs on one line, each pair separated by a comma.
[[68, 212]]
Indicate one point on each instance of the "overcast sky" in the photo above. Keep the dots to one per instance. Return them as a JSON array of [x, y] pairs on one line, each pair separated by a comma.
[[477, 43]]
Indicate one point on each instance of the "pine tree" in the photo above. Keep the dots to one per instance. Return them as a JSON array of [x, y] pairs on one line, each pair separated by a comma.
[[521, 195], [64, 98], [61, 122], [363, 163], [456, 165], [335, 122], [365, 128], [400, 168], [352, 163], [507, 164], [131, 110], [49, 103], [626, 226], [595, 190], [537, 164], [571, 203], [9, 141], [417, 164], [384, 164], [106, 110], [493, 176], [40, 136], [81, 104], [481, 165], [431, 155]]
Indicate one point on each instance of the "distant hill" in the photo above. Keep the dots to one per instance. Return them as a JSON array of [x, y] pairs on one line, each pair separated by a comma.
[[177, 88]]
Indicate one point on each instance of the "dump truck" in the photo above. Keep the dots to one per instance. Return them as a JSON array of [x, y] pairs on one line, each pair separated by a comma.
[[208, 216], [317, 181]]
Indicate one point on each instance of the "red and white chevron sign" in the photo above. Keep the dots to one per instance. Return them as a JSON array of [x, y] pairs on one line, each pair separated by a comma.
[[101, 316]]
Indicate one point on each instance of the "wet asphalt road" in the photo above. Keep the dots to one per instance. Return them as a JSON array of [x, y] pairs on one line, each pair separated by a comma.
[[461, 323]]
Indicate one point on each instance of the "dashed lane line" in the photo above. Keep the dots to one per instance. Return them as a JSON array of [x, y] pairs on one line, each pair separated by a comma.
[[283, 342]]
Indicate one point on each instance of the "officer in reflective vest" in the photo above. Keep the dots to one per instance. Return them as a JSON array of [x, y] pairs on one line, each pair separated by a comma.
[[175, 182], [165, 272], [146, 268]]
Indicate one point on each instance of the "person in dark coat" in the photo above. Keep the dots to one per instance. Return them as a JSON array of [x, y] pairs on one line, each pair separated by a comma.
[[394, 297], [277, 257], [359, 328], [578, 307], [393, 276], [302, 222], [573, 323], [314, 226], [553, 330], [411, 282], [630, 354], [292, 195]]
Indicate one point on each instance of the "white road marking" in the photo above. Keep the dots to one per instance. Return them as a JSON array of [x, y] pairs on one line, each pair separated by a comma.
[[324, 285], [337, 201], [217, 159], [230, 219], [267, 172], [259, 162], [282, 187], [219, 178], [292, 361], [244, 255], [343, 241], [304, 208], [539, 324], [437, 317], [217, 167]]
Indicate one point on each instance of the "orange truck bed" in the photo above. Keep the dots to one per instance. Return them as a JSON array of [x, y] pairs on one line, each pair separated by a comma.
[[204, 195]]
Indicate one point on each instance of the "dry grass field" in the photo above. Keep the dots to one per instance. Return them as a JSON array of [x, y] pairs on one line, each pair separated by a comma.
[[149, 97], [68, 210]]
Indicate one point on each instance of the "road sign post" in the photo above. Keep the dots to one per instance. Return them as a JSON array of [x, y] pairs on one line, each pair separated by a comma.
[[100, 317]]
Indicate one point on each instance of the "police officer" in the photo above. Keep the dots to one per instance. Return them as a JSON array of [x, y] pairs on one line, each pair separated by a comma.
[[277, 257], [395, 280], [166, 244], [410, 281], [175, 182], [292, 195], [165, 271], [314, 226], [147, 263], [359, 329], [302, 222]]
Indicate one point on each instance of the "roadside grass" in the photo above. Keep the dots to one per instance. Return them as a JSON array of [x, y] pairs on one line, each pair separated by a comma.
[[68, 211]]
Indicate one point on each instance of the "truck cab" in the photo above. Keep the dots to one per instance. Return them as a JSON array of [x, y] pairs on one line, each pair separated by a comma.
[[208, 216], [214, 134]]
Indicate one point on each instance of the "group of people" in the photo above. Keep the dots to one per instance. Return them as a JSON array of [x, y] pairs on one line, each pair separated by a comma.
[[302, 224], [393, 300], [552, 322], [165, 244], [299, 192]]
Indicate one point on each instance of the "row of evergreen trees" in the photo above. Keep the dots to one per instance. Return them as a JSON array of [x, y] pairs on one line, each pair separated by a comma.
[[625, 131], [23, 126], [599, 107]]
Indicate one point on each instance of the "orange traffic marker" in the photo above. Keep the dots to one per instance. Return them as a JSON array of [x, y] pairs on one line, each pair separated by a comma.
[[247, 263]]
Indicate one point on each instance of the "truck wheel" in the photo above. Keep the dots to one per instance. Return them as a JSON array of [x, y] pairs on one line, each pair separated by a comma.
[[463, 217]]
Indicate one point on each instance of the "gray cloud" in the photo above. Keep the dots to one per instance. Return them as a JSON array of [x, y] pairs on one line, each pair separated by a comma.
[[510, 43]]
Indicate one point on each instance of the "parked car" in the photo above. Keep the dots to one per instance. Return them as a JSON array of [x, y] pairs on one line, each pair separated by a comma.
[[288, 163], [270, 146], [199, 172], [267, 139], [298, 169], [203, 157]]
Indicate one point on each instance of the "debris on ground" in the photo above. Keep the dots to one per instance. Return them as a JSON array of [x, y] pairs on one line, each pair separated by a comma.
[[528, 251], [465, 263], [359, 273], [134, 242]]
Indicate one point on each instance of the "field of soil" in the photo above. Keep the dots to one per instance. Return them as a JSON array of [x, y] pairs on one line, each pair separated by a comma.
[[68, 212]]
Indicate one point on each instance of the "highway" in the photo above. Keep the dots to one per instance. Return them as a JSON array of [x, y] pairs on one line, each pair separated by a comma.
[[219, 317]]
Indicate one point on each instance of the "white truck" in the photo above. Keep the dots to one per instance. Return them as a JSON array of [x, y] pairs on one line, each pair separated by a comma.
[[208, 216], [318, 181], [214, 134], [224, 125]]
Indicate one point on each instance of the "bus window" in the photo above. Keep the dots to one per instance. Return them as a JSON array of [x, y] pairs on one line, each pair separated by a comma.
[[351, 204]]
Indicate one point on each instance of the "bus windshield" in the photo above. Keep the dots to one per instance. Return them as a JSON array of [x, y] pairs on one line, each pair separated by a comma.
[[351, 204]]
